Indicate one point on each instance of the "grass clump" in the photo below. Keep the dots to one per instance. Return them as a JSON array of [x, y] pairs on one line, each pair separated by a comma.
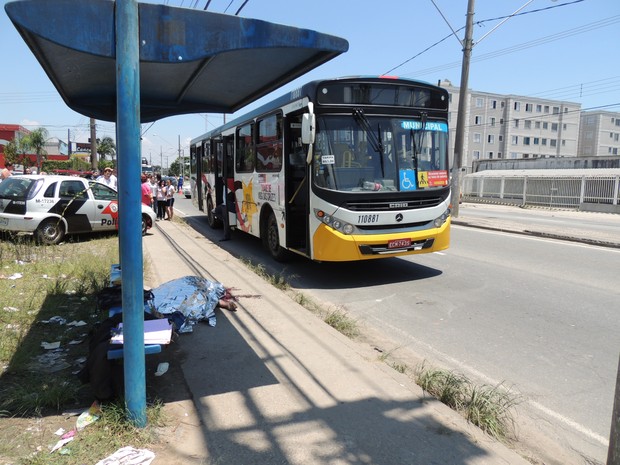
[[488, 407], [277, 280], [112, 430], [341, 322], [337, 319]]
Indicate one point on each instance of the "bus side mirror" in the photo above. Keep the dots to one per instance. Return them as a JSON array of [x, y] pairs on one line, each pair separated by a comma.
[[308, 128]]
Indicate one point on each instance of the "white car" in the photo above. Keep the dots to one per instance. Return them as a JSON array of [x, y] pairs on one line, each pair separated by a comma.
[[51, 207], [187, 191]]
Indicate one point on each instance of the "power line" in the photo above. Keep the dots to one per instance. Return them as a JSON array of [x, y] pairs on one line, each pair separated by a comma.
[[231, 1], [518, 47], [478, 23], [241, 7]]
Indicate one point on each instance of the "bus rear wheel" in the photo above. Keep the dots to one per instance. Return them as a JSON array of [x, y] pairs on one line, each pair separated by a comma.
[[211, 218], [271, 239]]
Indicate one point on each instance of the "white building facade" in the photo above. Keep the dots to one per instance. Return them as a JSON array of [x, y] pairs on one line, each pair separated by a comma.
[[599, 134], [514, 127]]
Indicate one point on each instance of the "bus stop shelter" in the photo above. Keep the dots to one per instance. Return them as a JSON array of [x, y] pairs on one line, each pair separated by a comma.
[[133, 63]]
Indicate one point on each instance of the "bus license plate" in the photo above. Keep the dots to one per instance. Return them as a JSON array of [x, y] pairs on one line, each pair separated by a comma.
[[399, 243]]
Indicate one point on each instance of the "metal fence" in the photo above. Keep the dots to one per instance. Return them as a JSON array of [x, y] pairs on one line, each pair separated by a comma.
[[574, 189]]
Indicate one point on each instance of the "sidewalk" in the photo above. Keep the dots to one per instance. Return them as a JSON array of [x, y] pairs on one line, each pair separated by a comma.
[[273, 384], [533, 221]]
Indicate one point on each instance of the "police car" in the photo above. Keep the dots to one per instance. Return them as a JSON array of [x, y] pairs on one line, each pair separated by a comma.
[[51, 207]]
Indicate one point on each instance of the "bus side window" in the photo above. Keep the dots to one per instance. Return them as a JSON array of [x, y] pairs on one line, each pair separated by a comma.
[[269, 146], [296, 153], [244, 154]]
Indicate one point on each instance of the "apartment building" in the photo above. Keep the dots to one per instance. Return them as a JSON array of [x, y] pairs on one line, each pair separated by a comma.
[[514, 127], [599, 134]]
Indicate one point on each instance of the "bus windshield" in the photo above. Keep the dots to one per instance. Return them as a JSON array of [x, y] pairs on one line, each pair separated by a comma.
[[360, 153]]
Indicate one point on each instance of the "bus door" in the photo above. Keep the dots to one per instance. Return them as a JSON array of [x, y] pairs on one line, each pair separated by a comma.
[[228, 173], [196, 157], [219, 169], [297, 187]]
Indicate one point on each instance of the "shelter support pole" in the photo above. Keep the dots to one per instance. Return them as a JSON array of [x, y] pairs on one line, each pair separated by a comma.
[[130, 216]]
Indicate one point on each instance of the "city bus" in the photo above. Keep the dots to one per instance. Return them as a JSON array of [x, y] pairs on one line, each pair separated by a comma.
[[343, 169]]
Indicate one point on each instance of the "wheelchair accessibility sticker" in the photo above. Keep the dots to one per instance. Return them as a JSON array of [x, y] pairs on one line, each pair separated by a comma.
[[407, 180]]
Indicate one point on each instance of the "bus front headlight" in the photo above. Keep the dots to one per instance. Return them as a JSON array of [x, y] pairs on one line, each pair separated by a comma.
[[333, 222], [440, 220]]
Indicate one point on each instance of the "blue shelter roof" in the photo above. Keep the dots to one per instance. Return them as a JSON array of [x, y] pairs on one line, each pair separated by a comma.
[[191, 61]]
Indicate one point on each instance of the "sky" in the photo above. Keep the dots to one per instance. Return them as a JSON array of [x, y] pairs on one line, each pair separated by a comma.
[[557, 49]]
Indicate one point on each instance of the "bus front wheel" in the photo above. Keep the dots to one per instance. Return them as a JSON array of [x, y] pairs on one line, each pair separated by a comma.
[[271, 239]]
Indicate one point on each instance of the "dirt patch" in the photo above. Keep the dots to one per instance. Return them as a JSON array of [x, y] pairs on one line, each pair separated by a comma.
[[22, 437]]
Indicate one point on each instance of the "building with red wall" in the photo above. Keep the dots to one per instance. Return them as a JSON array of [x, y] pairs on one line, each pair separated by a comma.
[[56, 149]]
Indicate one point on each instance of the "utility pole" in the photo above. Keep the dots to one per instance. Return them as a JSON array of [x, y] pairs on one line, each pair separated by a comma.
[[179, 156], [462, 110], [93, 144]]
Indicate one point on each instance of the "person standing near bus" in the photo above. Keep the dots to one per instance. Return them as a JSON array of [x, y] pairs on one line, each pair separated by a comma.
[[161, 200], [170, 191], [153, 185], [147, 196], [7, 171], [180, 186], [108, 178]]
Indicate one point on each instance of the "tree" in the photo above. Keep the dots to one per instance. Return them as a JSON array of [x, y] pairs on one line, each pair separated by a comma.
[[175, 168], [35, 141], [106, 147], [15, 152], [11, 151]]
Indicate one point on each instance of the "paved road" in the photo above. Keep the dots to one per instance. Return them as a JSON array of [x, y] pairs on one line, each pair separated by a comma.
[[532, 312], [537, 314]]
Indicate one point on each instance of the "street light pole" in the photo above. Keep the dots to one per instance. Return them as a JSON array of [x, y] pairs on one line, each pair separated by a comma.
[[93, 144], [179, 156]]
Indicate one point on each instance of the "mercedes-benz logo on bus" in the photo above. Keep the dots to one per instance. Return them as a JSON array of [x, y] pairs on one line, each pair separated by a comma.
[[399, 217]]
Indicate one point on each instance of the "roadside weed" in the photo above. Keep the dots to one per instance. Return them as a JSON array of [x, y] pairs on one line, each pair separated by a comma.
[[340, 321], [488, 407]]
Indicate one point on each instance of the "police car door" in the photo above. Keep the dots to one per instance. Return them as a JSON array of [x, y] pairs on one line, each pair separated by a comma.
[[74, 205], [105, 207]]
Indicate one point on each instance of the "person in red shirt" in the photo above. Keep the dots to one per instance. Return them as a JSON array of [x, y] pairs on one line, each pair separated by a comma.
[[147, 195]]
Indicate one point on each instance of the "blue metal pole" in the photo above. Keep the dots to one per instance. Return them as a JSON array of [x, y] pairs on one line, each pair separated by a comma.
[[130, 219]]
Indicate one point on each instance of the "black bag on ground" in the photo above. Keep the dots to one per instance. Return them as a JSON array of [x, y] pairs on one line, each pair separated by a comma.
[[110, 297], [106, 377]]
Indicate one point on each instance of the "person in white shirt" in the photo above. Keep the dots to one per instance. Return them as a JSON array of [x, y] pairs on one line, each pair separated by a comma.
[[170, 191], [153, 185], [108, 178]]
